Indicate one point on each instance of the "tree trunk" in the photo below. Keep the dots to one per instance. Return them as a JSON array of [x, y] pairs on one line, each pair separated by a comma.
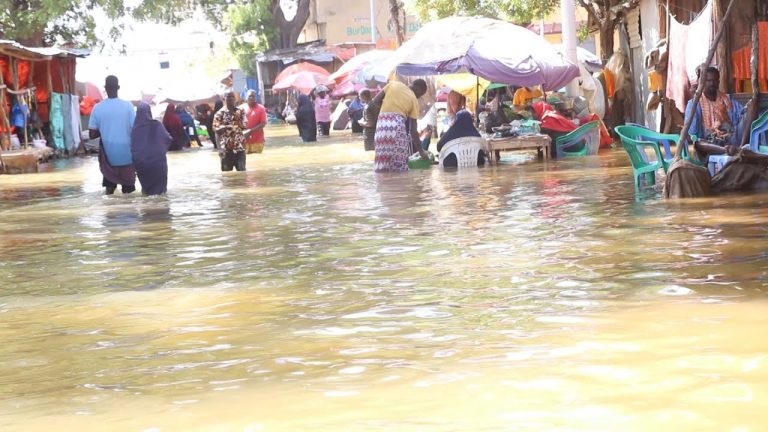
[[606, 40], [290, 30], [394, 18], [33, 40]]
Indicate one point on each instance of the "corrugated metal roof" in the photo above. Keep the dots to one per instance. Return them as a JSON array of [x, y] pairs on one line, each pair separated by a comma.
[[16, 49]]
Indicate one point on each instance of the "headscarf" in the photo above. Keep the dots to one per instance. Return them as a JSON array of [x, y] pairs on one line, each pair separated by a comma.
[[149, 139], [305, 119], [462, 126], [171, 120], [149, 143], [305, 105], [456, 103]]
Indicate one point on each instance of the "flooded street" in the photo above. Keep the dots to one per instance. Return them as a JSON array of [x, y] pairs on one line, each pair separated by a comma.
[[311, 294]]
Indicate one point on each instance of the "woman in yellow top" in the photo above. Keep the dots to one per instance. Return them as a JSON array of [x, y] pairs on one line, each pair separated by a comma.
[[524, 95], [396, 134]]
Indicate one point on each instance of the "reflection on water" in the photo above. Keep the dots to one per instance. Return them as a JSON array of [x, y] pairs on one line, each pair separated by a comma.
[[311, 294]]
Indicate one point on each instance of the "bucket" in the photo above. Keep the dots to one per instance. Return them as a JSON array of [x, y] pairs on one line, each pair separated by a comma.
[[416, 162], [39, 143], [15, 143]]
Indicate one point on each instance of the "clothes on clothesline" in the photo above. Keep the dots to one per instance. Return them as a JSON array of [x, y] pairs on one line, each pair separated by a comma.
[[65, 121], [57, 121], [77, 125], [66, 111], [688, 47], [741, 60]]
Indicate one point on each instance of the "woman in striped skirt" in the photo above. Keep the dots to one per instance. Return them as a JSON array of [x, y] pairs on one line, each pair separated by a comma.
[[396, 135]]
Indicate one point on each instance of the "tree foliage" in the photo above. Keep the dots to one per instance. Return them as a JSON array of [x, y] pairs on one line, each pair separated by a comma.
[[251, 29], [253, 25], [38, 22], [521, 12]]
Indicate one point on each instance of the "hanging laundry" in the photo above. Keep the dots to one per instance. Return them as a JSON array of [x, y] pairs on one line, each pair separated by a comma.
[[741, 67], [66, 110], [77, 126], [677, 78], [57, 121], [688, 48], [699, 38], [610, 83], [19, 114]]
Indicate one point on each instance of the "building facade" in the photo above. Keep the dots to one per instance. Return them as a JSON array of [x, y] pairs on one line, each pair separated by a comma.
[[348, 23]]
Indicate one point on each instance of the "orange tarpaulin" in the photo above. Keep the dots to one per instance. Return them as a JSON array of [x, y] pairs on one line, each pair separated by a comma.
[[740, 60], [23, 68]]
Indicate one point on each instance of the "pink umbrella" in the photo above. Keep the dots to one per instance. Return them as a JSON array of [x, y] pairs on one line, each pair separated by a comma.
[[300, 67], [301, 81], [359, 67], [346, 87]]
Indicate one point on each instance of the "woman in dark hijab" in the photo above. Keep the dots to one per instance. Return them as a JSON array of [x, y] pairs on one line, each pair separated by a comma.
[[149, 143], [175, 128], [462, 126], [305, 119]]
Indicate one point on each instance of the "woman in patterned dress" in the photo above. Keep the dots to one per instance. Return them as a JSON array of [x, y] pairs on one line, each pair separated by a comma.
[[396, 134]]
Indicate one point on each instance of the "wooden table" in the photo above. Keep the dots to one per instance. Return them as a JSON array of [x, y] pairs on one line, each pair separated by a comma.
[[523, 142]]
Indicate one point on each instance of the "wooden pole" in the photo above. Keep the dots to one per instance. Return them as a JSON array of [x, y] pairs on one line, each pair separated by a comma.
[[754, 104], [4, 122], [684, 135], [15, 69], [754, 59], [50, 81], [721, 52]]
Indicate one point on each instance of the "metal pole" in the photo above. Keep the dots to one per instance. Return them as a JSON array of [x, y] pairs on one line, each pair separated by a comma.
[[569, 41], [261, 83], [477, 101], [373, 22]]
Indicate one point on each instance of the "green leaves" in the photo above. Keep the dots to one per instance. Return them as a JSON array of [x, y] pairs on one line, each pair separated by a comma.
[[251, 28], [249, 23], [521, 12]]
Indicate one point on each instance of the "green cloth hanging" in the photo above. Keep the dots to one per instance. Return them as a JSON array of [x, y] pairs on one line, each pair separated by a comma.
[[57, 121]]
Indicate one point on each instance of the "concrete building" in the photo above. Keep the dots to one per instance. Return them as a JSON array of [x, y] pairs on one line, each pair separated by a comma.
[[348, 23]]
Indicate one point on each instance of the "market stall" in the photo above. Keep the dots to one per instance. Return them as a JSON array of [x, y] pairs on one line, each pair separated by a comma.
[[37, 97]]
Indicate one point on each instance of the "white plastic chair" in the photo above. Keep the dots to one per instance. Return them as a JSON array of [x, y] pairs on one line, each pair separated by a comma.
[[465, 149]]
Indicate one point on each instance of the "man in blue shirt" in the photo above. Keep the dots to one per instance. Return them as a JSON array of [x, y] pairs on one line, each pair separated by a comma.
[[112, 120]]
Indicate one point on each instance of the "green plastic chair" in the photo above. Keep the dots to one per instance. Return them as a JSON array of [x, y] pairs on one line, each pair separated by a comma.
[[758, 141], [665, 141], [635, 148], [583, 141]]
